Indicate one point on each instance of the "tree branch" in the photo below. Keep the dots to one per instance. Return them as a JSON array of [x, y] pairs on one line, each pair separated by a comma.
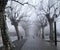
[[8, 7], [24, 3], [19, 2], [21, 18], [58, 14], [48, 16], [44, 10], [52, 5]]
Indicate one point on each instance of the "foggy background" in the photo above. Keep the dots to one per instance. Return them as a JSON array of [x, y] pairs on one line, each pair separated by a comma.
[[28, 26]]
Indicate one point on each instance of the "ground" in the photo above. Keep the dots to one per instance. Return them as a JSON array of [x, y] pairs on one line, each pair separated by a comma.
[[34, 43], [37, 44]]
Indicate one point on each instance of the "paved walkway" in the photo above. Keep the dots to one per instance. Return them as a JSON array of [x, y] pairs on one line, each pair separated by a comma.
[[38, 44], [19, 44], [34, 43]]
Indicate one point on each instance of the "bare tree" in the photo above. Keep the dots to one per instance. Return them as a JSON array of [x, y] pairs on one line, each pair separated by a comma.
[[47, 13], [13, 18], [14, 15], [43, 24], [48, 16]]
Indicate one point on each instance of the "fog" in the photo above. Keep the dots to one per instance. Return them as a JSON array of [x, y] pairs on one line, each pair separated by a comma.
[[32, 28]]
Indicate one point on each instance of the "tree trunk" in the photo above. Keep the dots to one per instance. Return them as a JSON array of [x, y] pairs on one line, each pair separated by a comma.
[[42, 32], [51, 31], [5, 37], [17, 31]]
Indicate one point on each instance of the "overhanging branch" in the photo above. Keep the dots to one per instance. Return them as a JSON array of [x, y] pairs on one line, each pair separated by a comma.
[[24, 3], [20, 2], [53, 5]]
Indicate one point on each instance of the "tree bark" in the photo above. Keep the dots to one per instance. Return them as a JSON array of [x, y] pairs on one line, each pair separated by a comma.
[[17, 31], [5, 37], [42, 32], [51, 31]]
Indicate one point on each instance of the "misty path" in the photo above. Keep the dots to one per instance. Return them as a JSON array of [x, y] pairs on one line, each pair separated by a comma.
[[37, 44]]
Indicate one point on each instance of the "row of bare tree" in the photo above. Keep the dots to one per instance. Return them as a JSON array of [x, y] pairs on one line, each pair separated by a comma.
[[14, 15], [51, 19]]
